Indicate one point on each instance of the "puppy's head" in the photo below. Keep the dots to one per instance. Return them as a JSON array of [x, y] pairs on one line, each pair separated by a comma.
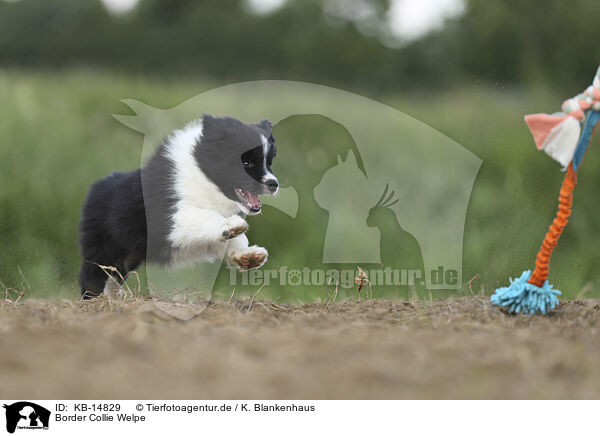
[[237, 157]]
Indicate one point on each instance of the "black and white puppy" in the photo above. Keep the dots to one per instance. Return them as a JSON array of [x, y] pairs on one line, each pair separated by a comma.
[[185, 205]]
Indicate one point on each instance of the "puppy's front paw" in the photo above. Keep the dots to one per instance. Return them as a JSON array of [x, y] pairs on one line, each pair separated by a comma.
[[250, 257], [234, 226]]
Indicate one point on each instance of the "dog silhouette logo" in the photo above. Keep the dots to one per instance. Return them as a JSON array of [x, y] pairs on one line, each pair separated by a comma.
[[26, 415]]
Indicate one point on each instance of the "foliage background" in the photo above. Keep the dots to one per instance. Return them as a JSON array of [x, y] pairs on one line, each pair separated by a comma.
[[65, 64]]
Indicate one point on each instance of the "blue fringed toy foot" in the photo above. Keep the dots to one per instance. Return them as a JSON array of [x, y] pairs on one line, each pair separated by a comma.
[[524, 297]]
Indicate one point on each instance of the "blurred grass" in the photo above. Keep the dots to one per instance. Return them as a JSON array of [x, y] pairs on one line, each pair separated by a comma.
[[57, 135]]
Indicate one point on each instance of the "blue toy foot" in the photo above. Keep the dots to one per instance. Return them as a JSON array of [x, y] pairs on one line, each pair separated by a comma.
[[524, 297]]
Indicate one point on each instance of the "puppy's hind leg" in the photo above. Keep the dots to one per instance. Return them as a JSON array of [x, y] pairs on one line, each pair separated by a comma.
[[112, 287], [96, 280], [116, 276], [92, 280]]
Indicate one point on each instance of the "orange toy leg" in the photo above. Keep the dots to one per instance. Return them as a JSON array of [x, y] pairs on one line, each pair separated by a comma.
[[565, 200]]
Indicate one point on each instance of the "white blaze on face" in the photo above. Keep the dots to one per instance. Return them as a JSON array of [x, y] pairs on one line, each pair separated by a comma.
[[268, 174]]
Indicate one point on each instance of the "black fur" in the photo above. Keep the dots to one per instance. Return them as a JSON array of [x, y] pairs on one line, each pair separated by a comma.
[[113, 230], [119, 209], [225, 142]]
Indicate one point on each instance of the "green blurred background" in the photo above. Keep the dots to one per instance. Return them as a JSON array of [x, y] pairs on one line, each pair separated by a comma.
[[470, 69]]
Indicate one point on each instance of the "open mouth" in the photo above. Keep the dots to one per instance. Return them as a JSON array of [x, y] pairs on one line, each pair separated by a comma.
[[249, 200]]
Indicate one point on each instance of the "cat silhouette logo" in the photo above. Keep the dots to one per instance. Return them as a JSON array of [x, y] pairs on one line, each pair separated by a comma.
[[26, 415]]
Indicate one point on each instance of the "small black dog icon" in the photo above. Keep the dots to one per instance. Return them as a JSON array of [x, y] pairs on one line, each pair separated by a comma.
[[30, 412]]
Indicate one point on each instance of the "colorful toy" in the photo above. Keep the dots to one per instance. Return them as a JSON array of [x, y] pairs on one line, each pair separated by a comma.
[[560, 136]]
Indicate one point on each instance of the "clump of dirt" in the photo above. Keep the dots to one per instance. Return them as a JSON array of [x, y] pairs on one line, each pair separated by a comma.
[[453, 348]]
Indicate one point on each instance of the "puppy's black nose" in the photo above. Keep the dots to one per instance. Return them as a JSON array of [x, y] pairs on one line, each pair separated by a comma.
[[272, 185]]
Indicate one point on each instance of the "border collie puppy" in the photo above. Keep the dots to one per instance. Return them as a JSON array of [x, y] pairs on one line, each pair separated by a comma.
[[185, 205]]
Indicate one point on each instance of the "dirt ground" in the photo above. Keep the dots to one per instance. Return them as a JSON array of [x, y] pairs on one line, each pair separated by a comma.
[[454, 348]]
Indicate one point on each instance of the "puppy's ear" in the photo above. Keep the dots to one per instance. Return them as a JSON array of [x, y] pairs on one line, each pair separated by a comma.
[[213, 128], [266, 126]]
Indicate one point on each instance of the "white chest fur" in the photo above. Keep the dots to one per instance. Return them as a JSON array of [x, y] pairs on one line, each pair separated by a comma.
[[201, 208]]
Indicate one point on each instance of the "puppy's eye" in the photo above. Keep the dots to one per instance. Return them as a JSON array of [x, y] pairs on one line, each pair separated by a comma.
[[248, 164]]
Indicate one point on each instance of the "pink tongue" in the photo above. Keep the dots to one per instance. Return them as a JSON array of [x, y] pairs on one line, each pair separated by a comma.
[[253, 199]]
